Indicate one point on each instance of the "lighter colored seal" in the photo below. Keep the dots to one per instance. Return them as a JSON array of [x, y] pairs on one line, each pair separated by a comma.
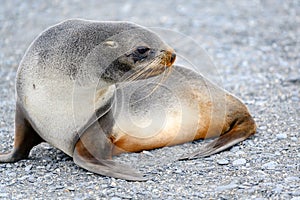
[[66, 84]]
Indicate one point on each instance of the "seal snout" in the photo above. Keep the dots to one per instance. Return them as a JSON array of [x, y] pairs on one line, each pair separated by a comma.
[[173, 57], [169, 57]]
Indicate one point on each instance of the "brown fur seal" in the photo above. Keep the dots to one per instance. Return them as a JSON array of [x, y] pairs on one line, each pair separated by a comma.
[[183, 108], [66, 85]]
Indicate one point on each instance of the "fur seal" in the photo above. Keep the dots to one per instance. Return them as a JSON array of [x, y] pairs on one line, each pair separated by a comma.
[[66, 84], [183, 108]]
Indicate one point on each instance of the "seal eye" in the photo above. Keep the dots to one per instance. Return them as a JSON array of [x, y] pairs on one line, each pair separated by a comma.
[[142, 49]]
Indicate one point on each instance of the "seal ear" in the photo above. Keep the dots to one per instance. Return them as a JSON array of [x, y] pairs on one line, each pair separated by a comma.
[[93, 152], [111, 44]]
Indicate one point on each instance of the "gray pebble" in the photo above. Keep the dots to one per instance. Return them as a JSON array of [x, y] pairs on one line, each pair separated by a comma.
[[28, 168], [115, 198], [295, 198], [222, 162], [291, 179], [294, 139], [31, 179], [8, 165], [235, 149], [238, 162], [22, 178], [70, 188], [296, 193], [278, 189], [148, 153], [226, 187], [4, 195], [281, 136], [269, 165], [13, 174]]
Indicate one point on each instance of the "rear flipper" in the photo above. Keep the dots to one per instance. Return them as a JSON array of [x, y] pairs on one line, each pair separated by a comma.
[[25, 139], [93, 152], [240, 131]]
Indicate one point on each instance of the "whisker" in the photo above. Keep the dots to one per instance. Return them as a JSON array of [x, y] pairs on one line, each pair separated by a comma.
[[140, 73], [163, 79], [137, 73]]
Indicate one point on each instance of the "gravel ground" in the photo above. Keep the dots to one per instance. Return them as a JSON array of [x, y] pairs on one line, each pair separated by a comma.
[[255, 46]]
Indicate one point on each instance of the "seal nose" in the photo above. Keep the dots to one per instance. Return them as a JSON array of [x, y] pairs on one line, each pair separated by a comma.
[[173, 57], [170, 57]]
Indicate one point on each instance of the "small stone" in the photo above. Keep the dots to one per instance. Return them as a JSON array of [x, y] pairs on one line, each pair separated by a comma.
[[22, 178], [49, 183], [113, 184], [269, 165], [296, 193], [226, 187], [28, 168], [4, 195], [294, 139], [281, 136], [8, 165], [291, 179], [115, 198], [295, 198], [31, 179], [178, 171], [222, 161], [240, 161], [58, 187], [277, 153], [148, 153], [239, 152], [278, 189], [263, 128], [235, 149], [123, 196], [48, 167], [70, 188], [13, 174]]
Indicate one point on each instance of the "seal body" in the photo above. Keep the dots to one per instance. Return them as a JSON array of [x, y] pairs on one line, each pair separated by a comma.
[[183, 108]]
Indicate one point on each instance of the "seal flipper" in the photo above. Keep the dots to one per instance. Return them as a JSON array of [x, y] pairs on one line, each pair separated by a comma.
[[239, 131], [93, 152], [25, 139]]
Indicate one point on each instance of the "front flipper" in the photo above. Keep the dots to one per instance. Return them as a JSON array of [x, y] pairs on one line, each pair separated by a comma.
[[239, 131], [93, 152], [25, 139]]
